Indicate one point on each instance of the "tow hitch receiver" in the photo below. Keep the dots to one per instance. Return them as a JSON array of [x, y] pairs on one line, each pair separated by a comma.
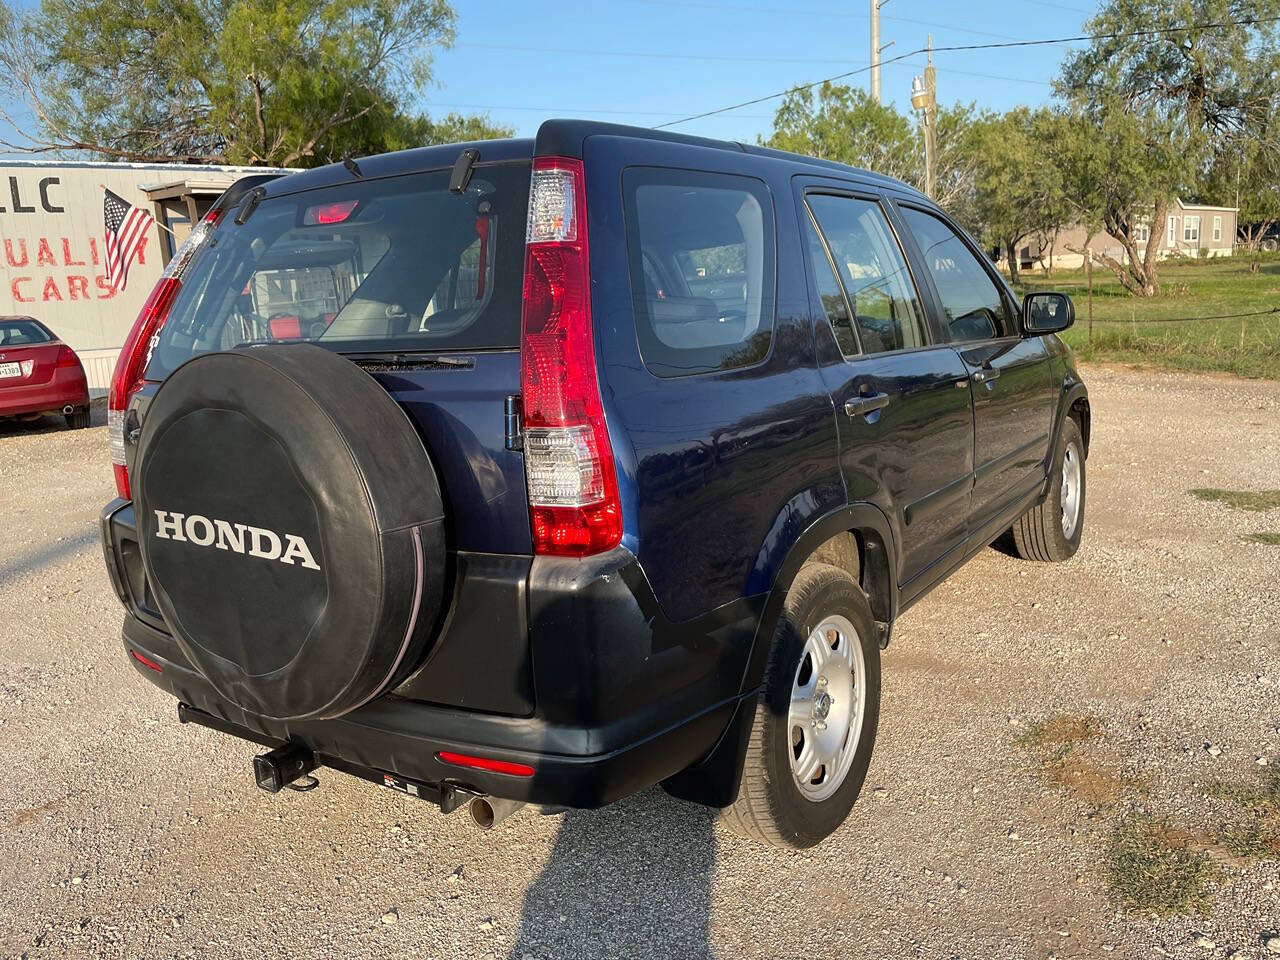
[[282, 766]]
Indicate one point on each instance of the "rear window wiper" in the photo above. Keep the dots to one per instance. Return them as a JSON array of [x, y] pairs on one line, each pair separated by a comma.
[[395, 360]]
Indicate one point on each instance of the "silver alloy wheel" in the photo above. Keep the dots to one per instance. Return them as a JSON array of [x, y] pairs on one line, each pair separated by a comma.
[[1070, 496], [828, 703]]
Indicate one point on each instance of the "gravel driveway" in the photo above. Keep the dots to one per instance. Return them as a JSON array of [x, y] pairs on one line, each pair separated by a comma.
[[983, 832]]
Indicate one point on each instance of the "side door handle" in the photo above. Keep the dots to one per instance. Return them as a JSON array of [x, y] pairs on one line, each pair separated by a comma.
[[986, 375], [866, 404]]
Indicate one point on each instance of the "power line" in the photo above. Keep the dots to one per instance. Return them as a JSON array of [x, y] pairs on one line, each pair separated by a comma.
[[1154, 32], [832, 14], [650, 55], [647, 54], [571, 111]]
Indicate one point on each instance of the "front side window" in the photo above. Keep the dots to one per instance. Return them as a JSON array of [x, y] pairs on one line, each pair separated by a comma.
[[1191, 229], [702, 263], [1141, 232], [886, 310], [974, 308]]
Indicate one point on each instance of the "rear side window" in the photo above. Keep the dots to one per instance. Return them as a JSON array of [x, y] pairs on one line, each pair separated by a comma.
[[20, 333], [701, 252], [886, 311], [393, 264]]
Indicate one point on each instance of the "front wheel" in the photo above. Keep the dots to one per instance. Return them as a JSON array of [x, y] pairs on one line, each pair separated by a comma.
[[815, 724], [1051, 530]]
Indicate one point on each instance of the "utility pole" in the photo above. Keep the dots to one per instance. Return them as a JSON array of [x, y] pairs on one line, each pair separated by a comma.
[[876, 48], [924, 99]]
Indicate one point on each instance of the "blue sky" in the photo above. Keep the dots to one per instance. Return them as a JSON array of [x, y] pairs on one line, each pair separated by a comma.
[[645, 62], [649, 61]]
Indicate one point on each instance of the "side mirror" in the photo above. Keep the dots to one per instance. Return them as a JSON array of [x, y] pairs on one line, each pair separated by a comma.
[[1047, 313]]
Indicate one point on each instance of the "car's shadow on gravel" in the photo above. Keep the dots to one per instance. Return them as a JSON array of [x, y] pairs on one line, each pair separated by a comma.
[[631, 880]]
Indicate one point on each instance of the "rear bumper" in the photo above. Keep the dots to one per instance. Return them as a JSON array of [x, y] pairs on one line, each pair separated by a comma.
[[624, 698], [405, 738], [66, 386]]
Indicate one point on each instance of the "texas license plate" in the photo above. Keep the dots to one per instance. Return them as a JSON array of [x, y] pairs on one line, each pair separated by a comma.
[[10, 370]]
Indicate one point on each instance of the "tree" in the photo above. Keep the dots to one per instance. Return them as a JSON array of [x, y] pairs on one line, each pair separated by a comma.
[[1120, 173], [844, 124], [1206, 67], [1018, 184], [1198, 80], [1249, 179], [280, 82], [956, 166]]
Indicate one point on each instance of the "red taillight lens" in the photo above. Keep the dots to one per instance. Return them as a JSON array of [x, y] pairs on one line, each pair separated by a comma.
[[573, 486], [66, 357], [131, 364], [485, 763]]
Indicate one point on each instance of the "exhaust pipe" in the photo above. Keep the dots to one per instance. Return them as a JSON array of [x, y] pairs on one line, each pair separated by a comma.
[[68, 409], [488, 812]]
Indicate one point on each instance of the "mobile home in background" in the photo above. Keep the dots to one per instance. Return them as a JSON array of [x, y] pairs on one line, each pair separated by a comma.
[[54, 250]]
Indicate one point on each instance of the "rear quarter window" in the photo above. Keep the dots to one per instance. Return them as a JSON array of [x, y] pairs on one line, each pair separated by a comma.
[[399, 263], [701, 253]]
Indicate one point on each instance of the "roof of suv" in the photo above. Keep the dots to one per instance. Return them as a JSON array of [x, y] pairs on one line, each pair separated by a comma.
[[565, 138]]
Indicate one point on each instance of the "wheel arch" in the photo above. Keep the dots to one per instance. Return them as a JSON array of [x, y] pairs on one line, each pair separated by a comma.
[[715, 780]]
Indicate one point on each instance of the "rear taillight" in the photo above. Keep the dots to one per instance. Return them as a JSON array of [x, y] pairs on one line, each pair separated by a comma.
[[66, 357], [573, 488], [131, 364]]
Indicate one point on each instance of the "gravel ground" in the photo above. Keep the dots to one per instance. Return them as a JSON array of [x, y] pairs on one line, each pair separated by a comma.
[[123, 834]]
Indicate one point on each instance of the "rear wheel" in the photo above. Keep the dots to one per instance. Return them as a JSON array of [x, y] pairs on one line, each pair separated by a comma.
[[815, 724], [78, 419], [1051, 530]]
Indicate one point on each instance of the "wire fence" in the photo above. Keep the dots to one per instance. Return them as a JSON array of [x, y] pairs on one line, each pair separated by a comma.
[[1221, 316]]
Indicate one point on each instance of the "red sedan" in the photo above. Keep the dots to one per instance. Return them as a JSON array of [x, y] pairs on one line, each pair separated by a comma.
[[39, 374]]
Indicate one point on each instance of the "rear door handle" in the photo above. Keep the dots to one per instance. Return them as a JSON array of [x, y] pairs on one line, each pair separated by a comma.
[[985, 375], [866, 404]]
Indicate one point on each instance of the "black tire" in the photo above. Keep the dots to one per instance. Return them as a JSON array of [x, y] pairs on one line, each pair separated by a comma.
[[1039, 534], [770, 807], [78, 419]]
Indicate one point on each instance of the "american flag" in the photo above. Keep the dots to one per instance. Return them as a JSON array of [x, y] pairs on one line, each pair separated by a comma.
[[126, 228]]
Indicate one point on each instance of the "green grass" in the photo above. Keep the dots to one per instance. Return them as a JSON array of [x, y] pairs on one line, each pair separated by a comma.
[[1139, 330], [1152, 866], [1258, 501], [1269, 539], [1253, 829]]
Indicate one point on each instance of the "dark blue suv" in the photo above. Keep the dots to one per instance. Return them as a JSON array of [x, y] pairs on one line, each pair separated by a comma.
[[548, 470]]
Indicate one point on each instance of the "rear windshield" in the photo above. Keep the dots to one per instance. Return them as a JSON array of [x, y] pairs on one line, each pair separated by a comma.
[[20, 333], [393, 264]]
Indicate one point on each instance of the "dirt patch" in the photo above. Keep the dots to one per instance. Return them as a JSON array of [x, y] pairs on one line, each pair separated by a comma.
[[30, 814], [1060, 745]]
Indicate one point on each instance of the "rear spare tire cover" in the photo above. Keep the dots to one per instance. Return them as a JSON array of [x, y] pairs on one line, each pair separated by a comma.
[[291, 527]]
